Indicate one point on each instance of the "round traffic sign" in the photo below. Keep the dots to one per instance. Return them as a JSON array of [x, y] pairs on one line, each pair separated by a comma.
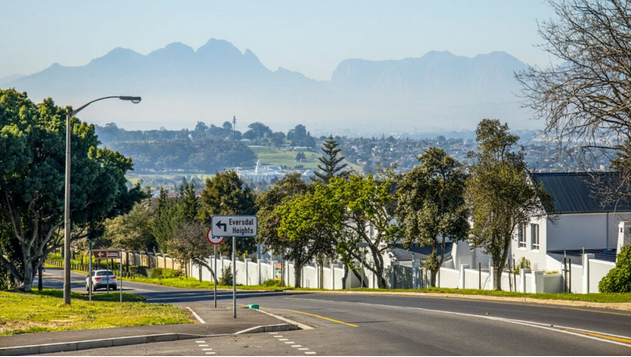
[[214, 240]]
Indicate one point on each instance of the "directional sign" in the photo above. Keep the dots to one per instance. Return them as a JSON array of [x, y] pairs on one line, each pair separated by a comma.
[[106, 254], [212, 239], [234, 226]]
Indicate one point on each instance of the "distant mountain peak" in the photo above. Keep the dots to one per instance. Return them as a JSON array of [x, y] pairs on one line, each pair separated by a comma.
[[117, 55], [215, 47]]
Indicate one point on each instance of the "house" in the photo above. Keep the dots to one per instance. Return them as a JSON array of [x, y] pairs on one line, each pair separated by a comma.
[[581, 223]]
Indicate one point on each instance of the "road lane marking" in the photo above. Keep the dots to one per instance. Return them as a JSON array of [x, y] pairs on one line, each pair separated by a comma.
[[314, 315], [196, 316], [599, 336]]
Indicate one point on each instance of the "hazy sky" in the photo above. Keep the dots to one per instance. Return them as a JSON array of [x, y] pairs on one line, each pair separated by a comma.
[[311, 37]]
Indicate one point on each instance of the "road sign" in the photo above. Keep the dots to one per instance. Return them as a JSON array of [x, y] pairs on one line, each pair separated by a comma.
[[106, 254], [212, 239], [234, 226]]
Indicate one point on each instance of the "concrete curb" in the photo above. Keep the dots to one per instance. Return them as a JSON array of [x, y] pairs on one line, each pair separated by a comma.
[[130, 340], [87, 344]]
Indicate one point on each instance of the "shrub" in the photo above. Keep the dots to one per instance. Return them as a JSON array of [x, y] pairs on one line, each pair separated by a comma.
[[272, 282], [618, 280], [226, 276], [165, 273]]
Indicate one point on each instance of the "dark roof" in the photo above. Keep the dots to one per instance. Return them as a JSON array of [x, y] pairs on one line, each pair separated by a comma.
[[573, 192], [421, 253], [577, 255]]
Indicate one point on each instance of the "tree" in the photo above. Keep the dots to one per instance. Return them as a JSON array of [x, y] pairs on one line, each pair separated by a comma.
[[132, 231], [227, 194], [431, 205], [331, 162], [32, 180], [164, 221], [310, 223], [366, 213], [499, 194], [300, 137], [618, 279], [586, 98], [189, 243]]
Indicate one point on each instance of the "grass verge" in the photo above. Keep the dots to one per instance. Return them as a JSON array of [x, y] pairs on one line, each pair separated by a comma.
[[22, 312], [192, 283]]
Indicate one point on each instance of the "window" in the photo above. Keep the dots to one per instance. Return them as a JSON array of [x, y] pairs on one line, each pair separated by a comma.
[[521, 236], [534, 236]]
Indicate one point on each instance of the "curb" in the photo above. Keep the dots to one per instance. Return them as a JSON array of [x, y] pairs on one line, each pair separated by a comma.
[[125, 341], [87, 344]]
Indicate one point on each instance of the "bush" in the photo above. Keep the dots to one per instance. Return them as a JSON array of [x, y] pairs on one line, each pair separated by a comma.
[[226, 276], [272, 282], [618, 280], [165, 273]]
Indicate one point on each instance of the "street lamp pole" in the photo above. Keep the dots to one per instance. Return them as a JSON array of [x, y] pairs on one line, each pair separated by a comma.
[[67, 226]]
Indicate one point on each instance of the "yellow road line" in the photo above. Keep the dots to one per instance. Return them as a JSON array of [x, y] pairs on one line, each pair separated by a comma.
[[314, 315], [607, 337]]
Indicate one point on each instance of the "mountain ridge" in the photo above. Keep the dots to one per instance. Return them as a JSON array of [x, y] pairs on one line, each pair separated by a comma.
[[219, 80]]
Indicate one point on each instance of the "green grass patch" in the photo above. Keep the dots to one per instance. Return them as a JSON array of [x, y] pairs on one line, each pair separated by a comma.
[[192, 283], [22, 312], [285, 157]]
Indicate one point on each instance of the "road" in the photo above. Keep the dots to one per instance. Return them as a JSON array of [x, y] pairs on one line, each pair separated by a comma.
[[377, 324]]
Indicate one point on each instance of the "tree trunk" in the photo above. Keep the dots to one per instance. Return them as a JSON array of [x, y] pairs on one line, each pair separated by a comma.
[[345, 277], [297, 273], [27, 285], [432, 278]]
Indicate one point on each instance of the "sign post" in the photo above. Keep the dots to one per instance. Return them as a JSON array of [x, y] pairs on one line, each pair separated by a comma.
[[234, 226], [108, 254], [215, 241]]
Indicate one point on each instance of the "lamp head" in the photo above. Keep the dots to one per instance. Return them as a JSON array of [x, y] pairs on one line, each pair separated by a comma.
[[132, 99]]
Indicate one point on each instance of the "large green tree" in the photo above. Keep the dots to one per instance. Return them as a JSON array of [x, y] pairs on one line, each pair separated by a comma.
[[585, 98], [499, 193], [227, 194], [366, 216], [132, 231], [431, 205], [330, 162], [32, 148], [311, 224]]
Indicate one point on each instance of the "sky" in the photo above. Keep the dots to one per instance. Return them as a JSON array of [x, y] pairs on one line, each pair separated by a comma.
[[310, 37]]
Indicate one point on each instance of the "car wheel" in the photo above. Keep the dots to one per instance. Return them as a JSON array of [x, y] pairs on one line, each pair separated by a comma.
[[114, 288]]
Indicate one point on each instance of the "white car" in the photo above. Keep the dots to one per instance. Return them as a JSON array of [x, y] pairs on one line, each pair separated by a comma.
[[100, 279]]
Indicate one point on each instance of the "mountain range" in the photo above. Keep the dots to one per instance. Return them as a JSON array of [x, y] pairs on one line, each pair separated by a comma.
[[181, 86]]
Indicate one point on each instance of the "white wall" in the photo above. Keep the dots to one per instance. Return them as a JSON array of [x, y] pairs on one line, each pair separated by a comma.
[[586, 230], [597, 270]]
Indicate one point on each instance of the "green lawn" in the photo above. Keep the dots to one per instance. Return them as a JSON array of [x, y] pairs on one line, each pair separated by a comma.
[[22, 312], [285, 157]]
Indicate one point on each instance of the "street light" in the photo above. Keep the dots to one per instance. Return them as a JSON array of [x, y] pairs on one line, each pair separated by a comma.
[[69, 114]]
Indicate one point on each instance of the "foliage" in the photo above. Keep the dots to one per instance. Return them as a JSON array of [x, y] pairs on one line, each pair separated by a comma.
[[272, 283], [132, 231], [227, 194], [32, 146], [499, 193], [299, 136], [585, 99], [48, 313], [165, 273], [366, 210], [331, 162], [618, 279], [226, 276], [164, 220], [431, 205], [310, 223]]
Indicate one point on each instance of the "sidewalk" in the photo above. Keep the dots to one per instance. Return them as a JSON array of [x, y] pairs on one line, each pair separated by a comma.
[[219, 321]]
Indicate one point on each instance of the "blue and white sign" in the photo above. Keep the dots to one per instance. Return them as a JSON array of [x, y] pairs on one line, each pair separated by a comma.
[[234, 226]]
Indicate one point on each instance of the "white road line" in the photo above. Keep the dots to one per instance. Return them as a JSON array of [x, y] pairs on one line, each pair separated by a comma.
[[196, 316], [290, 342], [207, 349], [202, 346], [303, 349], [200, 341], [296, 346], [283, 339], [493, 318], [210, 353], [278, 336], [310, 353]]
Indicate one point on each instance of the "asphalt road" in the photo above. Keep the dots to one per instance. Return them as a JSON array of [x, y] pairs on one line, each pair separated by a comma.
[[374, 324]]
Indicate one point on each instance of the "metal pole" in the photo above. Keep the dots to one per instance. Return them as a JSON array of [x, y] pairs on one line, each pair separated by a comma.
[[67, 287], [90, 273], [215, 275], [107, 275], [570, 280], [120, 287], [234, 279], [480, 275]]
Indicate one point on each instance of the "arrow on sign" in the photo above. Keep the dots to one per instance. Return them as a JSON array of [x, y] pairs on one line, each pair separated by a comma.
[[219, 225]]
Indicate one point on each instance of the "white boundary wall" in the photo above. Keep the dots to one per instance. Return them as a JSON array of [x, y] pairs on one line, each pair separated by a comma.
[[583, 280]]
